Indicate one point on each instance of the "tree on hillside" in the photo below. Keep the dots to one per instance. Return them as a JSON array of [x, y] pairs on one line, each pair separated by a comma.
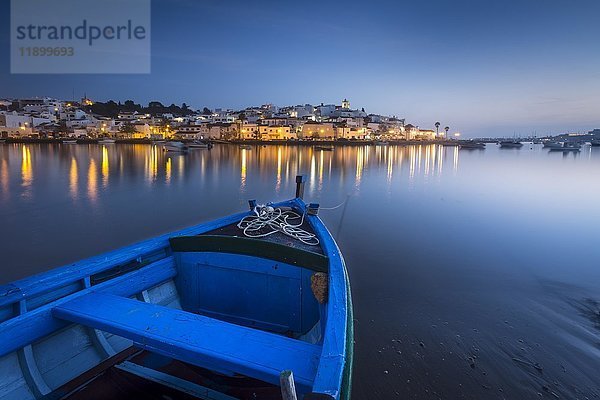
[[127, 129]]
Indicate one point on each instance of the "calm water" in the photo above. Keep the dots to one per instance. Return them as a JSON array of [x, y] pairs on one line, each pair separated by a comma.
[[475, 274]]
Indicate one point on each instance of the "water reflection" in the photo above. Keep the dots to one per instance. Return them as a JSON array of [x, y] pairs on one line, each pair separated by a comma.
[[168, 168], [92, 188], [278, 183], [105, 166], [26, 172], [455, 158], [359, 166], [73, 180], [152, 165], [277, 164], [4, 179], [243, 170]]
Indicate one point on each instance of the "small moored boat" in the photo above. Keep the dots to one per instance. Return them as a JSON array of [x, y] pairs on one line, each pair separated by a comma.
[[471, 145], [177, 147], [69, 141], [245, 147], [2, 141], [324, 148], [567, 146], [199, 145], [552, 145], [106, 141], [220, 310], [595, 143], [511, 144]]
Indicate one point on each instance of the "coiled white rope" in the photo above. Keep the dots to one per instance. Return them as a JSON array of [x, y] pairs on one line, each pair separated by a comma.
[[267, 220]]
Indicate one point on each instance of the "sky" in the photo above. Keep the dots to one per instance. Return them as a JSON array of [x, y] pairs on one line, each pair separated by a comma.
[[484, 68]]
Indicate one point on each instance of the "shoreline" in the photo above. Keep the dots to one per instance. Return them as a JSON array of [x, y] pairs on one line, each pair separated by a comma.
[[253, 142]]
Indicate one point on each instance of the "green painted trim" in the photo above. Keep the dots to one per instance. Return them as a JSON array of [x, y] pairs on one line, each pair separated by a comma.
[[251, 247], [346, 391]]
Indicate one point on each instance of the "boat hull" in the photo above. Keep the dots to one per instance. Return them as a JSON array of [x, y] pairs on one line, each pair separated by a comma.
[[49, 340], [511, 145]]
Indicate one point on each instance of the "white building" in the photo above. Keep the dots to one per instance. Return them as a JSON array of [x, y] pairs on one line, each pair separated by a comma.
[[15, 120]]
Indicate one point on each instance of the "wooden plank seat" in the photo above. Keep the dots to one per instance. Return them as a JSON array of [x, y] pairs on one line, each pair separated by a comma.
[[196, 339]]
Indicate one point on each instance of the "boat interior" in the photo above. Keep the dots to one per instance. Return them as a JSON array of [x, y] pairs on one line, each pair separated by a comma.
[[205, 313]]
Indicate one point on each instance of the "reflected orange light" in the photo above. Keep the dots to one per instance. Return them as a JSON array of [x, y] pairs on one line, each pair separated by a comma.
[[243, 169], [105, 166], [168, 171], [92, 181], [359, 165], [26, 171], [4, 177], [278, 184]]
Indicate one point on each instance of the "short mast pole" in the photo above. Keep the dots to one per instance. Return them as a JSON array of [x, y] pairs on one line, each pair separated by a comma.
[[300, 186]]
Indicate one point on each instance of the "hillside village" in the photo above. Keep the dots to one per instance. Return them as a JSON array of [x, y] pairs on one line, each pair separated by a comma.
[[52, 118]]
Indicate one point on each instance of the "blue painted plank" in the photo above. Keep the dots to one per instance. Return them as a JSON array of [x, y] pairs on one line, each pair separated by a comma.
[[333, 358], [173, 382], [243, 289], [196, 339], [34, 325]]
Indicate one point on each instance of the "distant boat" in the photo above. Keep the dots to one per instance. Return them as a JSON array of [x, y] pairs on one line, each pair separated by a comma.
[[511, 144], [73, 141], [177, 147], [381, 143], [324, 148], [471, 145], [537, 141], [595, 143], [2, 141], [553, 145], [106, 141], [213, 311], [567, 147], [199, 145], [245, 147]]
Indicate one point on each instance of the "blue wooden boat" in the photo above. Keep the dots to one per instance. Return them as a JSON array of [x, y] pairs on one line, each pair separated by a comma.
[[204, 312]]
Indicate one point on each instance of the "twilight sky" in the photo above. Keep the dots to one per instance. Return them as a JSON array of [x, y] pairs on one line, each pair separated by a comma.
[[485, 68]]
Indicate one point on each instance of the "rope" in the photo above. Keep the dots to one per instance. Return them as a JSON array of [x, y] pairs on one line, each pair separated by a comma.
[[268, 220], [333, 208]]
